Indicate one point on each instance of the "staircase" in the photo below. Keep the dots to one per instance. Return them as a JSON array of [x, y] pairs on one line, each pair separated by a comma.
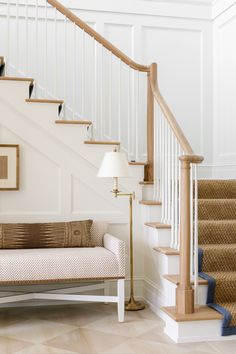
[[177, 209]]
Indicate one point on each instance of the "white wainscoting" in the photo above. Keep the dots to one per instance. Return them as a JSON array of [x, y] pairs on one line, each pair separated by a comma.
[[224, 162]]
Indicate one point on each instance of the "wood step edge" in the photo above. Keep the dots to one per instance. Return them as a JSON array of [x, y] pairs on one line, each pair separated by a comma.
[[135, 163], [12, 78], [37, 100], [93, 142], [85, 122], [201, 313], [157, 225], [149, 202], [146, 182], [174, 278], [167, 251]]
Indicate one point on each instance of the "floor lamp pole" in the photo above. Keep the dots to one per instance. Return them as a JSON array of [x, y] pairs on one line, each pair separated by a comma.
[[132, 304]]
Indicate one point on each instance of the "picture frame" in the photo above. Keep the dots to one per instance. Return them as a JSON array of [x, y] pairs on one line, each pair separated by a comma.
[[9, 167]]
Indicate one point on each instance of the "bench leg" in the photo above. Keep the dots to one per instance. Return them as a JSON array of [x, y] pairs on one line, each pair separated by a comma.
[[121, 299], [106, 290]]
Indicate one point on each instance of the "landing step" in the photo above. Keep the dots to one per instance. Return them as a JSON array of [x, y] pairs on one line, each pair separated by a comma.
[[201, 313], [157, 225], [36, 100], [149, 202], [93, 142], [167, 251], [174, 278], [12, 78], [85, 122], [146, 182]]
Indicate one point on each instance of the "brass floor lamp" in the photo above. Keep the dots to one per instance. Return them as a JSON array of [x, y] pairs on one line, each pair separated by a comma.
[[115, 165]]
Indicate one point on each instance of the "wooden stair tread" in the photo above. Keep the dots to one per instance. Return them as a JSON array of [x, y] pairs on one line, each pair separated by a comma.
[[12, 78], [174, 278], [146, 182], [94, 142], [149, 202], [201, 313], [157, 225], [85, 122], [167, 251], [134, 163], [37, 100]]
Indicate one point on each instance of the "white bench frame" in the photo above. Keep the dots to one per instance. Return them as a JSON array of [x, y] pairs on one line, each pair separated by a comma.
[[66, 294]]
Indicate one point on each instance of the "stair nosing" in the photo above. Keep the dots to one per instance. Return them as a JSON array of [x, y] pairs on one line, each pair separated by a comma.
[[167, 251], [174, 280], [149, 202], [12, 78], [93, 142], [37, 100], [79, 122], [157, 225]]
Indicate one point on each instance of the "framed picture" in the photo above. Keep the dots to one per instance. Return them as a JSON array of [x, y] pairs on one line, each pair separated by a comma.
[[9, 167]]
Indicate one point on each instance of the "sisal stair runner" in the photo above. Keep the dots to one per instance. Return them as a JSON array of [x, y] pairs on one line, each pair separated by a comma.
[[217, 247]]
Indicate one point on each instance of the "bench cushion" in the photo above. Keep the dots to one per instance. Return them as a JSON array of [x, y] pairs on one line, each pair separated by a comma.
[[32, 266], [44, 235]]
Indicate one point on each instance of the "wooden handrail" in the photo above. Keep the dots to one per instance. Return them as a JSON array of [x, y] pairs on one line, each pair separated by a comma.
[[90, 31], [167, 112]]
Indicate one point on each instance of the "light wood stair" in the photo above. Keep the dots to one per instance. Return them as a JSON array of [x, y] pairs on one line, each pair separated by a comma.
[[167, 251], [157, 225], [146, 182], [149, 203], [39, 100], [79, 122], [201, 313], [97, 142], [174, 278]]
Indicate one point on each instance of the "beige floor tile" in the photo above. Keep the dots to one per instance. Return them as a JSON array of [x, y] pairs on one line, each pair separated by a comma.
[[156, 335], [132, 327], [11, 346], [139, 346], [226, 347], [87, 341], [43, 349], [35, 331]]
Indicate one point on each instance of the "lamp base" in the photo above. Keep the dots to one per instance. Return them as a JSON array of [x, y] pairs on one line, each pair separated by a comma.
[[133, 305]]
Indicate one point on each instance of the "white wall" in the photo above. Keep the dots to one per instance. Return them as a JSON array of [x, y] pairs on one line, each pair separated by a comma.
[[224, 127]]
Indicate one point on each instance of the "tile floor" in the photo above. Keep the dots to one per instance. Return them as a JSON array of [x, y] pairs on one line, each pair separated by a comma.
[[91, 328]]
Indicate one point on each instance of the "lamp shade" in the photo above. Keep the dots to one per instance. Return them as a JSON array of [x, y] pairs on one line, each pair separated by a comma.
[[114, 164]]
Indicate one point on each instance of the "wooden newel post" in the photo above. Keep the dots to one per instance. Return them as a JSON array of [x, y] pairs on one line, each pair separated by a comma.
[[151, 81], [184, 292]]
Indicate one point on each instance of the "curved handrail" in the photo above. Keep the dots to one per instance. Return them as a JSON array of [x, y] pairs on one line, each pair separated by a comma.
[[89, 30], [167, 112]]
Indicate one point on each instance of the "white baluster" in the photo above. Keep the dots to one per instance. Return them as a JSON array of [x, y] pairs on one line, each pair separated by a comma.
[[119, 101], [36, 74], [17, 37], [196, 235], [26, 37], [176, 194], [74, 72], [136, 152], [55, 51], [191, 222], [82, 73], [110, 94], [46, 51], [172, 190], [101, 93], [65, 64]]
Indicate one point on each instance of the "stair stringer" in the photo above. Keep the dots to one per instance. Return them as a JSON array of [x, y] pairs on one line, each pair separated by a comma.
[[69, 162]]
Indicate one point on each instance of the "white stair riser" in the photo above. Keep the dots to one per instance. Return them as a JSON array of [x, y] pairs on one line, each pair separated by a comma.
[[19, 90], [170, 291], [151, 213], [194, 331], [147, 192], [158, 237], [166, 264]]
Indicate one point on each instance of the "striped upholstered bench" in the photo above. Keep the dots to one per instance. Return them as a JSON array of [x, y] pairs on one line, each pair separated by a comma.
[[67, 252]]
